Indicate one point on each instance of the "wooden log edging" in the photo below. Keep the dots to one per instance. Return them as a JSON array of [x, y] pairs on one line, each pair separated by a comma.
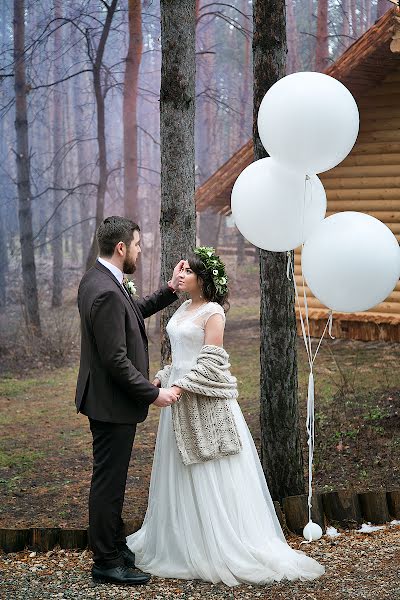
[[342, 508]]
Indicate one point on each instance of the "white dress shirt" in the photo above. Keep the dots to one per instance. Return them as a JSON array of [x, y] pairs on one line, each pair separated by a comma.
[[118, 274], [115, 271]]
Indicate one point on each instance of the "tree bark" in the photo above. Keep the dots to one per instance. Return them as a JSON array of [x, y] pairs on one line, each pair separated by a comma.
[[23, 174], [3, 153], [207, 156], [131, 171], [58, 125], [354, 21], [367, 12], [177, 112], [3, 262], [281, 455], [322, 50], [80, 129], [293, 62], [101, 128], [245, 92], [345, 28]]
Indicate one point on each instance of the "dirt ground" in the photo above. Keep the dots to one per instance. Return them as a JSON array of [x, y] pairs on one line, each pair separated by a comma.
[[357, 566], [45, 448]]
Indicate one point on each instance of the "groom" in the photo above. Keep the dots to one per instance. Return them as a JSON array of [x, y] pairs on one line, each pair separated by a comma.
[[113, 388]]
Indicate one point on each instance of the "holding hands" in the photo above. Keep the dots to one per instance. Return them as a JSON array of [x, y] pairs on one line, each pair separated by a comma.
[[166, 397]]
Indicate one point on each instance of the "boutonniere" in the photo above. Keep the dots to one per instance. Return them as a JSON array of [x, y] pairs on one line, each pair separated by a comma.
[[129, 285]]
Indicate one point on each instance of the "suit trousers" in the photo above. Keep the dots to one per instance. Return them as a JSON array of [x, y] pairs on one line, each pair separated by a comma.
[[112, 448]]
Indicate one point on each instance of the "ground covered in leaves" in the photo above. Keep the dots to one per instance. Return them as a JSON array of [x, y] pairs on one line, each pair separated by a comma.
[[358, 566], [45, 448]]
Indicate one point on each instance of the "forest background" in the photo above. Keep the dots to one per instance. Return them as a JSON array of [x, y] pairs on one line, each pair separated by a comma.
[[92, 98]]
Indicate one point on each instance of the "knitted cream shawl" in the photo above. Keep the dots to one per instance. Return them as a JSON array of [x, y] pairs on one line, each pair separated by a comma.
[[203, 421]]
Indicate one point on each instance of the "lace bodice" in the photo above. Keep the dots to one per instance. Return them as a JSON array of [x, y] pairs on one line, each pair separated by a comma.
[[186, 333]]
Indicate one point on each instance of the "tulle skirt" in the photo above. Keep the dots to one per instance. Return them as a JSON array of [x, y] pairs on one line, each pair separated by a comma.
[[214, 521]]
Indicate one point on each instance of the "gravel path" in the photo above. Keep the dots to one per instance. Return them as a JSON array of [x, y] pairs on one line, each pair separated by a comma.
[[357, 566]]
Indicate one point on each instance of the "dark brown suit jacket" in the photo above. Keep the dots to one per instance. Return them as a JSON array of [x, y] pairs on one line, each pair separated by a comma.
[[113, 375]]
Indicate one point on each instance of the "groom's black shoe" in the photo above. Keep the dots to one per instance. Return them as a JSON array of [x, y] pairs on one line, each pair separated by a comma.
[[121, 575], [128, 556]]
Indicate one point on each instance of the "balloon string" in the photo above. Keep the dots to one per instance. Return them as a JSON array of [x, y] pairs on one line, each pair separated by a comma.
[[310, 422]]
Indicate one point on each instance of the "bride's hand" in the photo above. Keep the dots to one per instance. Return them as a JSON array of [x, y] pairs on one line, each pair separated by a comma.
[[157, 382], [177, 390]]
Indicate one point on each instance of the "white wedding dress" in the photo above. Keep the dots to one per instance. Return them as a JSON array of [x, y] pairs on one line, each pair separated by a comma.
[[215, 520]]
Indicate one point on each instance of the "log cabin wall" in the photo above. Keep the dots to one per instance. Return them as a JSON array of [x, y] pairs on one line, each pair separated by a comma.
[[368, 180]]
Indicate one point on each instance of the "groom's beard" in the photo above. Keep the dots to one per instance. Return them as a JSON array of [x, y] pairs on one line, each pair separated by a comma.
[[129, 267]]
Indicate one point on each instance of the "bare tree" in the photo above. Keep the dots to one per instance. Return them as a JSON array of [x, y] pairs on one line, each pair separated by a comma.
[[177, 112], [97, 62], [322, 48], [281, 455], [131, 171], [57, 127], [23, 172]]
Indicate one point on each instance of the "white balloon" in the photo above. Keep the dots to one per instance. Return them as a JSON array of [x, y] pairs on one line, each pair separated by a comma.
[[276, 208], [309, 121], [312, 531], [351, 262]]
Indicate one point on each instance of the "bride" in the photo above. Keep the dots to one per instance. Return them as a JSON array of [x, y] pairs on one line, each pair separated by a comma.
[[210, 515]]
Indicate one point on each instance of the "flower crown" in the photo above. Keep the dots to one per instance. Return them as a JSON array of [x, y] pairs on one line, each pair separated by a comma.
[[214, 264]]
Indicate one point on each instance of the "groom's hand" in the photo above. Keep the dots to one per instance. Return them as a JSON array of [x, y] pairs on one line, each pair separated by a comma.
[[166, 397], [174, 282]]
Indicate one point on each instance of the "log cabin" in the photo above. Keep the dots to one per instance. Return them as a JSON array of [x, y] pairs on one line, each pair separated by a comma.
[[368, 180]]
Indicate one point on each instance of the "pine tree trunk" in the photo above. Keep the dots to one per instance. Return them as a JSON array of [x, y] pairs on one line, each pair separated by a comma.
[[177, 112], [23, 175], [244, 95], [3, 230], [58, 125], [206, 116], [293, 63], [354, 21], [131, 172], [101, 129], [368, 17], [345, 28], [322, 51], [3, 262], [281, 455], [80, 133]]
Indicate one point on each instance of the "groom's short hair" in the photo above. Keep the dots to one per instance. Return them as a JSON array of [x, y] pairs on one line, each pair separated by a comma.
[[113, 230]]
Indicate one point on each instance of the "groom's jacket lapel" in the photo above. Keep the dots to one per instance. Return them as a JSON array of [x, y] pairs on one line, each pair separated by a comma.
[[139, 315]]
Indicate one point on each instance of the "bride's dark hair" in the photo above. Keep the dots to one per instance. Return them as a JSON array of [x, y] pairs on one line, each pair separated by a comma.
[[206, 281]]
